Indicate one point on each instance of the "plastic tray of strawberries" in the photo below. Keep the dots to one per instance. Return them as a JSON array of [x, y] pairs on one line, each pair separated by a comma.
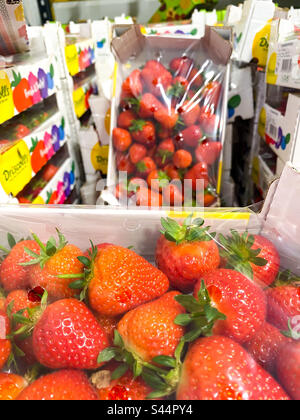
[[84, 319], [169, 129]]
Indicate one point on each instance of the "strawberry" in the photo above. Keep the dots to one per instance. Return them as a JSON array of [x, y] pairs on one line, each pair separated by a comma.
[[143, 132], [217, 368], [11, 386], [125, 119], [124, 388], [181, 66], [209, 123], [145, 166], [164, 152], [172, 172], [179, 86], [53, 261], [283, 304], [148, 105], [172, 195], [288, 369], [137, 152], [157, 80], [195, 78], [206, 198], [156, 67], [118, 280], [109, 325], [157, 180], [186, 253], [5, 344], [19, 300], [49, 172], [253, 255], [148, 198], [265, 346], [122, 139], [64, 385], [168, 118], [163, 133], [124, 163], [12, 274], [132, 86], [189, 137], [211, 96], [241, 301], [190, 112], [208, 151], [135, 184], [198, 175], [68, 336], [182, 159]]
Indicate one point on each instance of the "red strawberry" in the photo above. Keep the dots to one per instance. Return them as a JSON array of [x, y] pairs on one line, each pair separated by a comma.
[[209, 123], [212, 94], [68, 336], [198, 176], [125, 119], [121, 280], [252, 255], [49, 172], [156, 67], [11, 386], [148, 198], [145, 166], [189, 112], [64, 385], [181, 83], [265, 346], [182, 66], [157, 180], [172, 172], [242, 302], [217, 368], [167, 118], [124, 163], [288, 369], [186, 253], [122, 139], [195, 78], [189, 137], [143, 132], [132, 86], [165, 152], [164, 133], [182, 159], [12, 274], [5, 344], [283, 304], [172, 195], [137, 152], [135, 184], [125, 388], [156, 84], [208, 151], [148, 105], [18, 300]]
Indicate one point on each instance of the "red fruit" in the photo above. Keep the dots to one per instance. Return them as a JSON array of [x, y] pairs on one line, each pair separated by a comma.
[[49, 172], [135, 184], [125, 119], [167, 118], [182, 83], [190, 112], [156, 67], [12, 274], [217, 368], [148, 198], [149, 104], [5, 345], [157, 82], [243, 303], [182, 258], [11, 386], [172, 172], [22, 131], [182, 66], [145, 166], [164, 133], [143, 132], [209, 123], [189, 137], [132, 86], [211, 95], [182, 159], [18, 301], [172, 195], [121, 191], [208, 152], [123, 280], [205, 198], [157, 180], [265, 346], [126, 388], [283, 304], [165, 152], [38, 156], [68, 336], [124, 163], [148, 331], [65, 385], [137, 152], [109, 325], [122, 139], [199, 177], [288, 369], [195, 78]]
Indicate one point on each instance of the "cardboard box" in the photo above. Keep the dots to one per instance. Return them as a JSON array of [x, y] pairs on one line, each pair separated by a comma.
[[240, 95]]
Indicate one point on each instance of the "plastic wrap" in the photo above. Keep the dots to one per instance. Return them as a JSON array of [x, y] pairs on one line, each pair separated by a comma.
[[169, 113], [236, 339]]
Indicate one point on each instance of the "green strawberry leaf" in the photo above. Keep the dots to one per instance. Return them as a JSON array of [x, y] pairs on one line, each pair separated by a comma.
[[119, 372]]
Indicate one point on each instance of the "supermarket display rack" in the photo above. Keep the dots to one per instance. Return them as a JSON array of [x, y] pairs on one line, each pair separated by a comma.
[[33, 128]]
